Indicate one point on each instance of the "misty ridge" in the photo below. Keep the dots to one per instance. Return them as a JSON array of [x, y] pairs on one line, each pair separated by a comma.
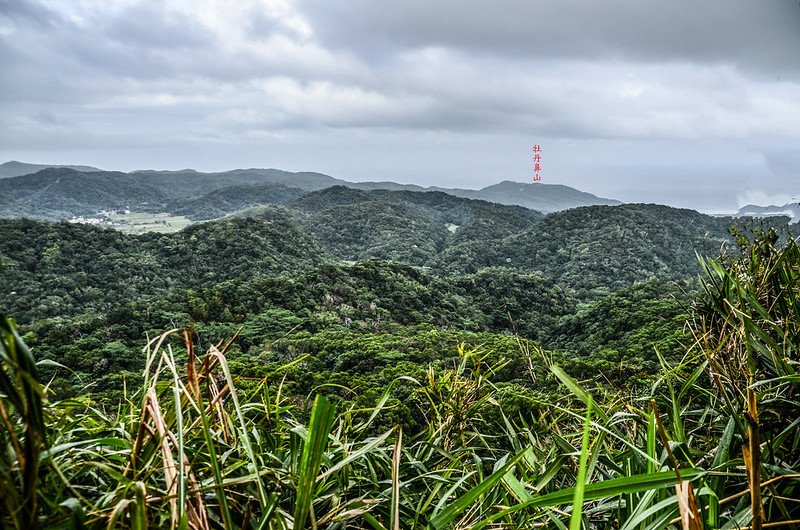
[[61, 192], [83, 192]]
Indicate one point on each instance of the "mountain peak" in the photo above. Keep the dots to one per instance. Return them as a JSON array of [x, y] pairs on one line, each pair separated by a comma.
[[14, 168], [546, 198], [791, 210]]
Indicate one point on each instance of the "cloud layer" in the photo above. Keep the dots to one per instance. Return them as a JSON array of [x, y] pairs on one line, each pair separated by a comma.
[[695, 104]]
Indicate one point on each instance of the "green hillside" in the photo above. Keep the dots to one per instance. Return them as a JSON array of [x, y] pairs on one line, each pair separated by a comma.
[[598, 249], [61, 193], [62, 269], [476, 330], [58, 193], [391, 380], [232, 199], [413, 227], [590, 252]]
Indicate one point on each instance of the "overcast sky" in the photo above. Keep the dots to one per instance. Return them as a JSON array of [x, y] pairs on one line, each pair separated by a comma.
[[687, 103]]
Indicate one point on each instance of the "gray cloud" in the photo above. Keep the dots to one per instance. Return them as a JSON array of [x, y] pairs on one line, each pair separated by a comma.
[[754, 37], [429, 92]]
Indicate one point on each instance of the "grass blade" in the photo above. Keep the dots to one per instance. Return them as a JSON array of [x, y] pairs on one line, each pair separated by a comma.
[[395, 510], [319, 426], [580, 485], [600, 490], [446, 516]]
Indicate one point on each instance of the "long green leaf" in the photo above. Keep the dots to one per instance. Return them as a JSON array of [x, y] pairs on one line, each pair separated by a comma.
[[574, 387], [580, 485], [355, 455], [319, 426], [600, 490], [394, 515], [717, 483]]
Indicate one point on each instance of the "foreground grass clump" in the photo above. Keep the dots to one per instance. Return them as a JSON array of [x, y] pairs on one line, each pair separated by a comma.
[[189, 451], [713, 444]]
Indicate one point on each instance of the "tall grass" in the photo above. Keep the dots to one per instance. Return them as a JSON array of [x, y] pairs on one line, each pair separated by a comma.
[[24, 430], [190, 452]]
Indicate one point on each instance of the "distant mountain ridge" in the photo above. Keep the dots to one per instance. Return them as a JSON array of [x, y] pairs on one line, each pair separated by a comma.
[[17, 169], [58, 192], [791, 210], [545, 198]]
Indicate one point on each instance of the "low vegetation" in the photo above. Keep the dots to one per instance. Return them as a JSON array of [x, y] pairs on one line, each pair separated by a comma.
[[141, 223]]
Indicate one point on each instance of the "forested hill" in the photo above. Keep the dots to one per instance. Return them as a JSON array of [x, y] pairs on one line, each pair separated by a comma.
[[284, 282], [340, 262], [16, 169], [231, 199], [89, 296], [598, 249], [59, 193], [412, 227], [61, 269], [191, 183], [58, 268]]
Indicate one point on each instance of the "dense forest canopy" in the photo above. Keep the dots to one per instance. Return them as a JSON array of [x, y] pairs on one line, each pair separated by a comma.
[[594, 283]]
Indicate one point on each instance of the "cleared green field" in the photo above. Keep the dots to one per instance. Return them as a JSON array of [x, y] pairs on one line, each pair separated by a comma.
[[139, 223]]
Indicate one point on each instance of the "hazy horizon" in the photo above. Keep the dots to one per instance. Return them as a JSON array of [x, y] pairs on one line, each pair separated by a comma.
[[709, 211], [685, 104]]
